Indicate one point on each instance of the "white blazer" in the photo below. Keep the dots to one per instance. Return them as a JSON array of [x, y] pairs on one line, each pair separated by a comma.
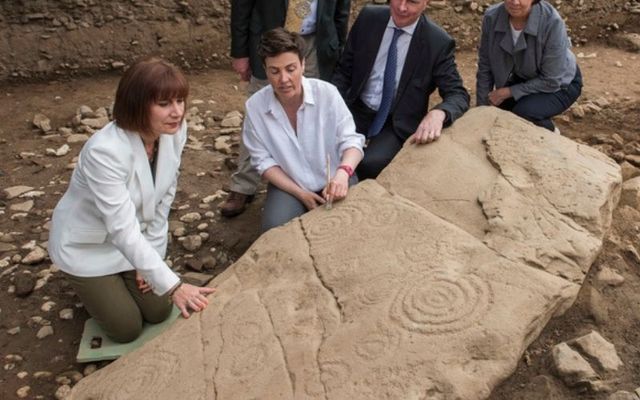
[[112, 218]]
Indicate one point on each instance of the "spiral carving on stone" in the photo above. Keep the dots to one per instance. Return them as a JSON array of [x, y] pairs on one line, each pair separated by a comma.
[[441, 302]]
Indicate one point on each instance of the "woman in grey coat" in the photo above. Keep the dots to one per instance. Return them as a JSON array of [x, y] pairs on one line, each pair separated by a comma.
[[525, 63]]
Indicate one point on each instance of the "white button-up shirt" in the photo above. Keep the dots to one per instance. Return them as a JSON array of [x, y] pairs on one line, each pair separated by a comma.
[[372, 92], [324, 126]]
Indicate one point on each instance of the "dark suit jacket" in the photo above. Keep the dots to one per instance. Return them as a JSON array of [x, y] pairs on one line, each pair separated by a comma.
[[430, 64], [251, 18]]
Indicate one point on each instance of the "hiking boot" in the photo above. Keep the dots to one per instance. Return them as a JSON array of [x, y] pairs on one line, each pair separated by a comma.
[[235, 204]]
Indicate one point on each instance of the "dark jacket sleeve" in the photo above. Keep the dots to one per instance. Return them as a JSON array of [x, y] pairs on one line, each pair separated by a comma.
[[343, 74], [341, 18], [449, 83], [241, 11]]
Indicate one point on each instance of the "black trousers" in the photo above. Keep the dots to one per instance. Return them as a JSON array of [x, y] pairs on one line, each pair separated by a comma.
[[381, 148], [540, 107]]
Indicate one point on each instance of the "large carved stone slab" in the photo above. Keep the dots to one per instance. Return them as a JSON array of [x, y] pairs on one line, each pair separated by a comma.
[[533, 196], [397, 292]]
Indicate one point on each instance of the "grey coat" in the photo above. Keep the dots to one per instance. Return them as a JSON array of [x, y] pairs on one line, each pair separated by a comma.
[[541, 57]]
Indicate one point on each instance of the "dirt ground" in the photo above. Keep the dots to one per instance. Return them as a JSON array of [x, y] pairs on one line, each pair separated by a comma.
[[612, 311]]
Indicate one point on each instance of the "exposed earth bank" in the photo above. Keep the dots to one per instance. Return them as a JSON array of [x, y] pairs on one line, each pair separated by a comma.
[[45, 39]]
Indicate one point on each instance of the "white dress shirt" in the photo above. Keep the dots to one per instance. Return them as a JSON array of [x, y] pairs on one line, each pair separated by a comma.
[[324, 126], [372, 93]]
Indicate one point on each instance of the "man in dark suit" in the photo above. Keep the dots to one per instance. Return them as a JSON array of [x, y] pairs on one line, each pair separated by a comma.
[[395, 57], [322, 23]]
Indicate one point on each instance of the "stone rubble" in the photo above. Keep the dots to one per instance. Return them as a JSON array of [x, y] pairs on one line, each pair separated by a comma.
[[600, 350]]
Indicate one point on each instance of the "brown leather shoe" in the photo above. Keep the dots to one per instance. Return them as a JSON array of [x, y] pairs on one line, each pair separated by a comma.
[[235, 204]]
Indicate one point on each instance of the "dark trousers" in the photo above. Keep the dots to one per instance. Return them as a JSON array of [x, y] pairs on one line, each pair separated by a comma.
[[381, 148], [540, 107]]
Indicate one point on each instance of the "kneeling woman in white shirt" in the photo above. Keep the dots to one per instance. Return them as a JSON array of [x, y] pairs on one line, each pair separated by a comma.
[[291, 126], [109, 230]]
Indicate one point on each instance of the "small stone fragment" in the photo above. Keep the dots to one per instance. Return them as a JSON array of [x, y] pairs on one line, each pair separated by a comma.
[[209, 263], [15, 191], [59, 152], [35, 256], [217, 195], [196, 278], [192, 242], [22, 374], [42, 375], [622, 395], [578, 111], [63, 392], [13, 331], [77, 138], [222, 144], [570, 366], [45, 331], [629, 171], [66, 314], [95, 123], [24, 283], [631, 193], [231, 122], [25, 206], [41, 122], [90, 369], [194, 264], [47, 306], [610, 277], [598, 348], [191, 217], [23, 392]]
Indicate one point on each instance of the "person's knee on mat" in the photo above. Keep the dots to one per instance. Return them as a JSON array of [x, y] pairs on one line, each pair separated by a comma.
[[124, 330], [158, 314]]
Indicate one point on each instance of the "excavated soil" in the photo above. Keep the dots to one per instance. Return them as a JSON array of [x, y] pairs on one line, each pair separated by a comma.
[[609, 74]]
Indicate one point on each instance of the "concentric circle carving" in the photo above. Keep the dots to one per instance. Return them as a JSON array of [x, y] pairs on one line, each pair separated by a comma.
[[441, 302]]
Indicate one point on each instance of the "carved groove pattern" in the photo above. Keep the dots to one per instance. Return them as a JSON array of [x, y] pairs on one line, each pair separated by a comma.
[[147, 379], [441, 302]]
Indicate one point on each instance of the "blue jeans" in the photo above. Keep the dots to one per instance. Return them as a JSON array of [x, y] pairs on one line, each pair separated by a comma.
[[540, 107]]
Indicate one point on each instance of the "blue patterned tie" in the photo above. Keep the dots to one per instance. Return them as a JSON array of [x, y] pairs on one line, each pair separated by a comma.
[[388, 86]]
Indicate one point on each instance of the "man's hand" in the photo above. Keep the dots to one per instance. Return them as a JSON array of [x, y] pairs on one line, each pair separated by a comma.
[[496, 97], [338, 187], [241, 66], [430, 127], [309, 199]]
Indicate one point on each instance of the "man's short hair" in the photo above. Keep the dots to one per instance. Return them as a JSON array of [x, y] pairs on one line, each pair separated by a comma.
[[278, 41], [147, 81]]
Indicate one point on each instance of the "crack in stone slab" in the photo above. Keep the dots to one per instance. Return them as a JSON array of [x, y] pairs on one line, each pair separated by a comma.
[[207, 381], [336, 302], [319, 274], [215, 372], [292, 377], [322, 340], [202, 343]]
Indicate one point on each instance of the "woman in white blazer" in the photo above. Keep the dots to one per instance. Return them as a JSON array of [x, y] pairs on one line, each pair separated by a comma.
[[109, 230]]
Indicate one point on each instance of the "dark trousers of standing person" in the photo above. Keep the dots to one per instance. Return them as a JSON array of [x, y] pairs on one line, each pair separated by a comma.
[[540, 107], [381, 148]]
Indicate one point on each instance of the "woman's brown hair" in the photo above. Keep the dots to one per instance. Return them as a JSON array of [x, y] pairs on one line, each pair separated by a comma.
[[147, 81]]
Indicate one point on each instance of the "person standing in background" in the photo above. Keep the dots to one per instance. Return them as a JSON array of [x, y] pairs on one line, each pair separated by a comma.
[[323, 26]]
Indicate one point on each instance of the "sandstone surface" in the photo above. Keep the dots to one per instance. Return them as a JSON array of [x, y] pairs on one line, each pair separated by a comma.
[[429, 283]]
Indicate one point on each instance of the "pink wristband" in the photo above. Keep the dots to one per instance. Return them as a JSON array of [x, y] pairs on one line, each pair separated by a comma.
[[346, 168]]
